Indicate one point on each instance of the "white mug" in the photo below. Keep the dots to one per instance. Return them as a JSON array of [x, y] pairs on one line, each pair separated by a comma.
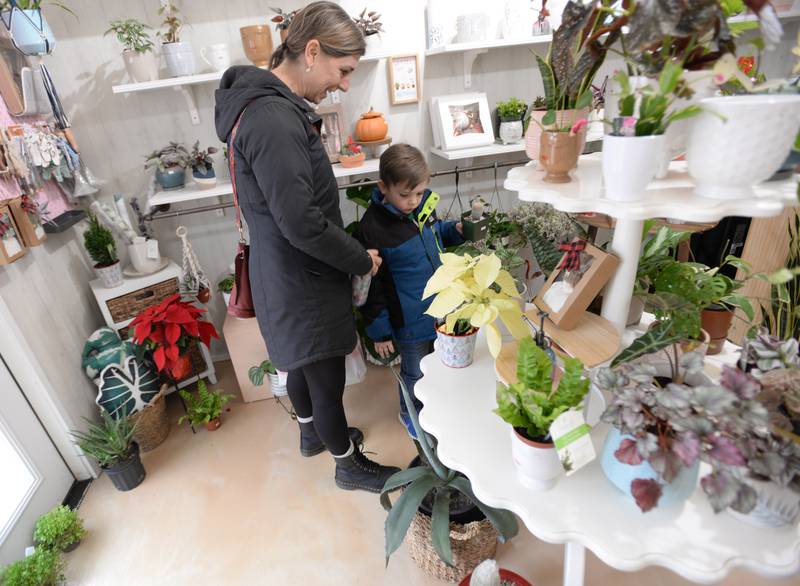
[[217, 56]]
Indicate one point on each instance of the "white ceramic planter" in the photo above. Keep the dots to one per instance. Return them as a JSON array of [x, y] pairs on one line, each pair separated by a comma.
[[227, 298], [141, 67], [538, 466], [511, 131], [179, 58], [139, 259], [775, 506], [740, 141], [629, 164], [278, 390], [611, 107], [456, 351], [110, 276]]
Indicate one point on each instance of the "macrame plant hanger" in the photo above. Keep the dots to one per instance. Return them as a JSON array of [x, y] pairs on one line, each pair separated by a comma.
[[194, 278]]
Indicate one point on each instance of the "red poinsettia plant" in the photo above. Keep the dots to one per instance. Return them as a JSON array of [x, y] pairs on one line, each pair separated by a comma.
[[168, 330]]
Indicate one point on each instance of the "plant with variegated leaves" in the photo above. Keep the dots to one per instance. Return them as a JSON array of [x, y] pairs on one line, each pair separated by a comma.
[[472, 292]]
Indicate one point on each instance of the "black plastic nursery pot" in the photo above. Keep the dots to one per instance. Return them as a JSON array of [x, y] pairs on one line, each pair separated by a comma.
[[128, 474], [474, 230], [462, 510]]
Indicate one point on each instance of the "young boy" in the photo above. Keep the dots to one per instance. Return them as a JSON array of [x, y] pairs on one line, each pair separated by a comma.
[[410, 239]]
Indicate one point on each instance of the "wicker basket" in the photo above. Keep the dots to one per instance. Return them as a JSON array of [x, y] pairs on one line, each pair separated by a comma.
[[128, 306], [152, 423], [781, 380], [471, 544]]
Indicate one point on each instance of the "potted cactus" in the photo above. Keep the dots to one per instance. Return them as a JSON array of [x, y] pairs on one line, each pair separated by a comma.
[[60, 529], [101, 246], [138, 55], [202, 164], [204, 408]]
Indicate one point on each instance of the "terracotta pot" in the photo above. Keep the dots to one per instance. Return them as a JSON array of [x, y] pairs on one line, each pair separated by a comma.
[[204, 295], [214, 424], [350, 161], [505, 576], [716, 320], [371, 127], [257, 43], [182, 367], [558, 154], [563, 118]]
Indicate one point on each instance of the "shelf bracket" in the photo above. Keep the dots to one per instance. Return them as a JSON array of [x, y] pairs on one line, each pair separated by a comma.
[[191, 102], [469, 60]]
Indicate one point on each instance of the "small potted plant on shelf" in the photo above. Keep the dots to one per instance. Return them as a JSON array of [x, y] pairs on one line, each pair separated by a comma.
[[368, 22], [168, 330], [451, 530], [204, 408], [138, 55], [470, 293], [532, 404], [112, 444], [178, 54], [44, 567], [225, 286], [170, 163], [511, 113], [352, 154], [202, 164], [256, 375], [61, 529], [282, 21], [101, 246], [475, 222]]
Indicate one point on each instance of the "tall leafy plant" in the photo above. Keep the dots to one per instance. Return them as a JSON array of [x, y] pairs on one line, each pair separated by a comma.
[[132, 34], [172, 23], [99, 243]]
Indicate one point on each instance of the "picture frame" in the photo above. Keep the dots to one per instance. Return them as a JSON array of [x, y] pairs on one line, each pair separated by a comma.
[[31, 231], [600, 270], [11, 245], [332, 130], [461, 121], [404, 84]]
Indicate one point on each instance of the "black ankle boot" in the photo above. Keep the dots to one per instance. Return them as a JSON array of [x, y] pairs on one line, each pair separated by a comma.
[[357, 472], [311, 445]]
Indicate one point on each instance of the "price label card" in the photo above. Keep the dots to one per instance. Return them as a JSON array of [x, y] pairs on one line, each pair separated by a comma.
[[152, 249], [570, 434]]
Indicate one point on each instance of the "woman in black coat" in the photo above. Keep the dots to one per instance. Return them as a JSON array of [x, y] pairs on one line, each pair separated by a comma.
[[301, 258]]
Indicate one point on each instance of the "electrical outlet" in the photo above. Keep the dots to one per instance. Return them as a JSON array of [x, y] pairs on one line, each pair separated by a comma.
[[220, 213]]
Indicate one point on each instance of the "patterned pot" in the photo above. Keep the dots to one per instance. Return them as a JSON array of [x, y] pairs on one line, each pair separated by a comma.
[[776, 506], [110, 276], [179, 58], [456, 351], [278, 390], [510, 131], [204, 180], [558, 154], [171, 178]]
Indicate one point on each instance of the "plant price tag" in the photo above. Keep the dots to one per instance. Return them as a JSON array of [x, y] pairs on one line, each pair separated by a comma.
[[152, 249], [570, 434]]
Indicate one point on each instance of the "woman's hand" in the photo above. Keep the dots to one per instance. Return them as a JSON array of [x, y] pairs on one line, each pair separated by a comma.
[[376, 260], [384, 349]]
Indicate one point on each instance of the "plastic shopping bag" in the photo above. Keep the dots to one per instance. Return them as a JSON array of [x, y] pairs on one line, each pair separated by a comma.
[[355, 367]]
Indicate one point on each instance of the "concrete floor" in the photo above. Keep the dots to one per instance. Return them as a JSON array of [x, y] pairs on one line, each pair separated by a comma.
[[240, 506]]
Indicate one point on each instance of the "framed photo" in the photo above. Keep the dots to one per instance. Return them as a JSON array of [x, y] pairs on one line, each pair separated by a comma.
[[332, 130], [404, 85], [582, 274], [30, 227], [461, 121], [11, 245]]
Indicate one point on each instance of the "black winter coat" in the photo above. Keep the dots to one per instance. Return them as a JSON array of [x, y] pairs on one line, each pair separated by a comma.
[[300, 255]]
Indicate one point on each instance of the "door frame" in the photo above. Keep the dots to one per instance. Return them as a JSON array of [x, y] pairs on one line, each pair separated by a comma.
[[40, 393]]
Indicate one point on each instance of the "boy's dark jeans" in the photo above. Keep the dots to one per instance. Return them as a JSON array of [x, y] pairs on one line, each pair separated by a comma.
[[411, 353]]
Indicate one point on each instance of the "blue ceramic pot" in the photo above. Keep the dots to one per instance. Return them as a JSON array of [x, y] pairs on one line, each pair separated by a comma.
[[173, 178], [30, 31], [621, 475], [199, 174]]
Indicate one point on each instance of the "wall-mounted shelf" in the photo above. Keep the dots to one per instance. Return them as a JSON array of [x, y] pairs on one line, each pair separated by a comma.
[[484, 151], [369, 166]]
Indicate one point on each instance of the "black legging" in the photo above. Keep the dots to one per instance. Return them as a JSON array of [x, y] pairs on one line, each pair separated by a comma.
[[316, 390]]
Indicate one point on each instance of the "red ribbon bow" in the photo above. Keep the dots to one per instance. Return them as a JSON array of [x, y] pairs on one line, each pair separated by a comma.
[[572, 258]]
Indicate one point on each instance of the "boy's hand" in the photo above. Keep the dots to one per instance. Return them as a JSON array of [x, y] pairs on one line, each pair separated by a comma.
[[460, 228], [384, 349], [376, 260]]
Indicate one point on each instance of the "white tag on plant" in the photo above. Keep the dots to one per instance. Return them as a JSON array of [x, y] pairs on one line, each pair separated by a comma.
[[152, 249], [570, 434]]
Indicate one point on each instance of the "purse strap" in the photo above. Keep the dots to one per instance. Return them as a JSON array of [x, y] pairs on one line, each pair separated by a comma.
[[232, 166]]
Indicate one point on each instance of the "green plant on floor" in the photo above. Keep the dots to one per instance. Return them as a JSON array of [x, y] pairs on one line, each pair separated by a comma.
[[225, 284], [172, 156], [109, 442], [99, 243], [132, 34], [535, 401], [44, 568], [257, 373], [511, 110], [172, 23], [432, 481], [203, 407], [59, 528]]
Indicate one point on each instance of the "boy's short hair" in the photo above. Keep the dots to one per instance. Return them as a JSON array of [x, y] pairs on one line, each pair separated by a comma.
[[403, 164]]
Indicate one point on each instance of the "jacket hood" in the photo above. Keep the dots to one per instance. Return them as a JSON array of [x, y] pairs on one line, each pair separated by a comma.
[[377, 199], [241, 85]]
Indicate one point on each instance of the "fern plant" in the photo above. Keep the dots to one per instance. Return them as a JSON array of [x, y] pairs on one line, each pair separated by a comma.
[[534, 402], [100, 243], [205, 406]]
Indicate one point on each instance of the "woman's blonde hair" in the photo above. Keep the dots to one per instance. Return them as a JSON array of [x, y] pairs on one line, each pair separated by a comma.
[[326, 22]]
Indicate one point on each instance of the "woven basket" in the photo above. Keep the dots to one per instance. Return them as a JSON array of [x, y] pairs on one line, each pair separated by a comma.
[[781, 380], [471, 544], [152, 423], [128, 306]]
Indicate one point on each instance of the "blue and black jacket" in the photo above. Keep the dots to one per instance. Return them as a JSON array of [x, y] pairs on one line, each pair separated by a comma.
[[410, 253]]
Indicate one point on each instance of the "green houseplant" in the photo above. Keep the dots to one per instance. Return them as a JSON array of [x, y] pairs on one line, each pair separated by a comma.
[[444, 496], [170, 163], [511, 113], [112, 444], [532, 404], [60, 528], [266, 368], [138, 55], [102, 248], [45, 567], [202, 163], [205, 407], [178, 54]]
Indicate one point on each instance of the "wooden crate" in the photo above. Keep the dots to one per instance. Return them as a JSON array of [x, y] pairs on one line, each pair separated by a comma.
[[13, 247], [32, 234]]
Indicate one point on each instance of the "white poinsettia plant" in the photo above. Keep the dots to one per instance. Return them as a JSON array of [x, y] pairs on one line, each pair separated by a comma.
[[475, 290]]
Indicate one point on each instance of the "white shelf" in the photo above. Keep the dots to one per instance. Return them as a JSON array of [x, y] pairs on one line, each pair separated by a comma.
[[672, 197], [493, 44], [484, 151], [369, 166], [166, 83], [190, 193]]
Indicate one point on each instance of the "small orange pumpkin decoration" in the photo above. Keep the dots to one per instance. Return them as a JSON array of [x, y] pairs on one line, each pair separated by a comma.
[[371, 127]]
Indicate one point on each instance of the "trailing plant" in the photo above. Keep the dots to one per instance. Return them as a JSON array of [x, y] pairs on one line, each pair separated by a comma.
[[203, 407], [59, 528], [511, 110], [202, 160], [109, 442], [225, 285], [767, 352], [171, 156], [369, 23], [256, 373], [131, 34], [172, 23], [432, 481], [282, 19], [99, 243], [532, 403], [472, 292], [45, 567]]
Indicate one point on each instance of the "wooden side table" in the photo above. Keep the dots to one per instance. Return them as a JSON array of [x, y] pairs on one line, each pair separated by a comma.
[[247, 349]]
